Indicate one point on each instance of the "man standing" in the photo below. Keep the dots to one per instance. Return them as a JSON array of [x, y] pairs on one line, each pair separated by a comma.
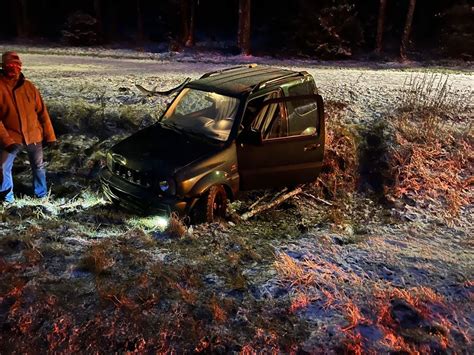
[[24, 124]]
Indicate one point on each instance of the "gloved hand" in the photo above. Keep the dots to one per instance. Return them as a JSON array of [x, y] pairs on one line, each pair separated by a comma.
[[12, 147]]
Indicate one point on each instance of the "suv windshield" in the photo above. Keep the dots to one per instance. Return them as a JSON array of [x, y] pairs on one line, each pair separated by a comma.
[[203, 112]]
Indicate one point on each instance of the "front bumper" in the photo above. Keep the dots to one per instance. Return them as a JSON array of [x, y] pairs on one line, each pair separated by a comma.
[[140, 199]]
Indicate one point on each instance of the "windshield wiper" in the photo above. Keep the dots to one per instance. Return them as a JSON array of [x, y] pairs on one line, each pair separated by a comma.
[[189, 132], [181, 130], [172, 126]]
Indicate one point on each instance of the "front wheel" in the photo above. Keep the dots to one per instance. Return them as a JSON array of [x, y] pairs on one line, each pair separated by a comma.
[[213, 205]]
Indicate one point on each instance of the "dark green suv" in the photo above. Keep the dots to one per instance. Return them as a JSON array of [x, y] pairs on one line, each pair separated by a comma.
[[241, 128]]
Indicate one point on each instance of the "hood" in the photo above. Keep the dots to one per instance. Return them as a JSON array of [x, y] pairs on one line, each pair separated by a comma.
[[157, 148]]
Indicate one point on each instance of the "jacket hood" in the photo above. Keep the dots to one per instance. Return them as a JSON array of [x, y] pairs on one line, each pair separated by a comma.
[[161, 149]]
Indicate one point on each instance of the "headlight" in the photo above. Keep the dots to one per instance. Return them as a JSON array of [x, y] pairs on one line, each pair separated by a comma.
[[161, 222], [167, 186], [110, 161]]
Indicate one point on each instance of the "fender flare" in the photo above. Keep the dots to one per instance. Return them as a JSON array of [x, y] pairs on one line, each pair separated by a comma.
[[214, 178]]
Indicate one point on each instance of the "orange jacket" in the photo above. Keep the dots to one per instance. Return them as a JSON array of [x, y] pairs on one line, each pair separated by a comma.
[[23, 115]]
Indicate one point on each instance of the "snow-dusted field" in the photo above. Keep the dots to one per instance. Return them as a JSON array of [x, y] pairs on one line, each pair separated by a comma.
[[88, 278]]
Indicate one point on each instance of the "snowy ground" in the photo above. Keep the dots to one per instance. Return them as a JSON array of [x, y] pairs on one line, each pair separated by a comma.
[[300, 277]]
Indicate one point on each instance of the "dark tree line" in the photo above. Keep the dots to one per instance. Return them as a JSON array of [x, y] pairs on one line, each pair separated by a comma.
[[322, 29]]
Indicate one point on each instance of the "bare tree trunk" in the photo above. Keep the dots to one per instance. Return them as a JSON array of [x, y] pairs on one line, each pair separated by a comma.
[[22, 23], [407, 30], [380, 26], [184, 20], [140, 27], [190, 39], [187, 20], [98, 15], [243, 36], [111, 23]]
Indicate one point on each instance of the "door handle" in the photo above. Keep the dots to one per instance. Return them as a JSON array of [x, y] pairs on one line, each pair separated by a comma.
[[310, 147]]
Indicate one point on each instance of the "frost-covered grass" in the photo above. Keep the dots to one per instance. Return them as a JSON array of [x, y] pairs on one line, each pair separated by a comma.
[[351, 274], [263, 285]]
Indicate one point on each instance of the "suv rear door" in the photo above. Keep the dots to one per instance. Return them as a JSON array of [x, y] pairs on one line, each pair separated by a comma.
[[291, 147]]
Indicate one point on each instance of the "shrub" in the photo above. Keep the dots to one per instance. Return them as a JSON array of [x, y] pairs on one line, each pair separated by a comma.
[[327, 31], [81, 29], [340, 173], [457, 34]]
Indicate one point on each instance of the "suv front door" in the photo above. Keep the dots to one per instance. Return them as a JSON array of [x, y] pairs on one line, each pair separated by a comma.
[[292, 142]]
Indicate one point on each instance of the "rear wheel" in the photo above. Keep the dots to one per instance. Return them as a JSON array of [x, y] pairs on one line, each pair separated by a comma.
[[213, 205]]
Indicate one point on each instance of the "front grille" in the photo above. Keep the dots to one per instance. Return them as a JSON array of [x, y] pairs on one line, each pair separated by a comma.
[[130, 175], [134, 203]]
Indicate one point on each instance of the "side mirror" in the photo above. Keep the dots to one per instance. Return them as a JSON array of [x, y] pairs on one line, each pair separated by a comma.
[[251, 136]]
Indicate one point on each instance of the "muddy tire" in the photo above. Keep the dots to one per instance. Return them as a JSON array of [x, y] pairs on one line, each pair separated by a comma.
[[213, 205]]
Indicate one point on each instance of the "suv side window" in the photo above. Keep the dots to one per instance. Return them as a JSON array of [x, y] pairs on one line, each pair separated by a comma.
[[271, 119], [302, 113]]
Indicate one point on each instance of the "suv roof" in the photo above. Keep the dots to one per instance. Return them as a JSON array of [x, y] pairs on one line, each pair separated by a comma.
[[240, 80]]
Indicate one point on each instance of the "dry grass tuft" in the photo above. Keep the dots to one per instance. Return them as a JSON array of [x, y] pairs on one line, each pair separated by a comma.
[[138, 239], [431, 96], [314, 271], [340, 173], [97, 259], [440, 170], [293, 271], [432, 158], [353, 314], [318, 279], [176, 227], [353, 344], [299, 301], [219, 313], [189, 296], [264, 342]]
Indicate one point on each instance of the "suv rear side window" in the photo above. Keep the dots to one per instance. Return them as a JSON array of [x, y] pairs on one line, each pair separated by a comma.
[[302, 113], [270, 120]]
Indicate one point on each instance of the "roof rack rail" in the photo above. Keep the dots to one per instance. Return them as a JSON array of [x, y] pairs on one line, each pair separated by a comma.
[[264, 83], [253, 65]]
